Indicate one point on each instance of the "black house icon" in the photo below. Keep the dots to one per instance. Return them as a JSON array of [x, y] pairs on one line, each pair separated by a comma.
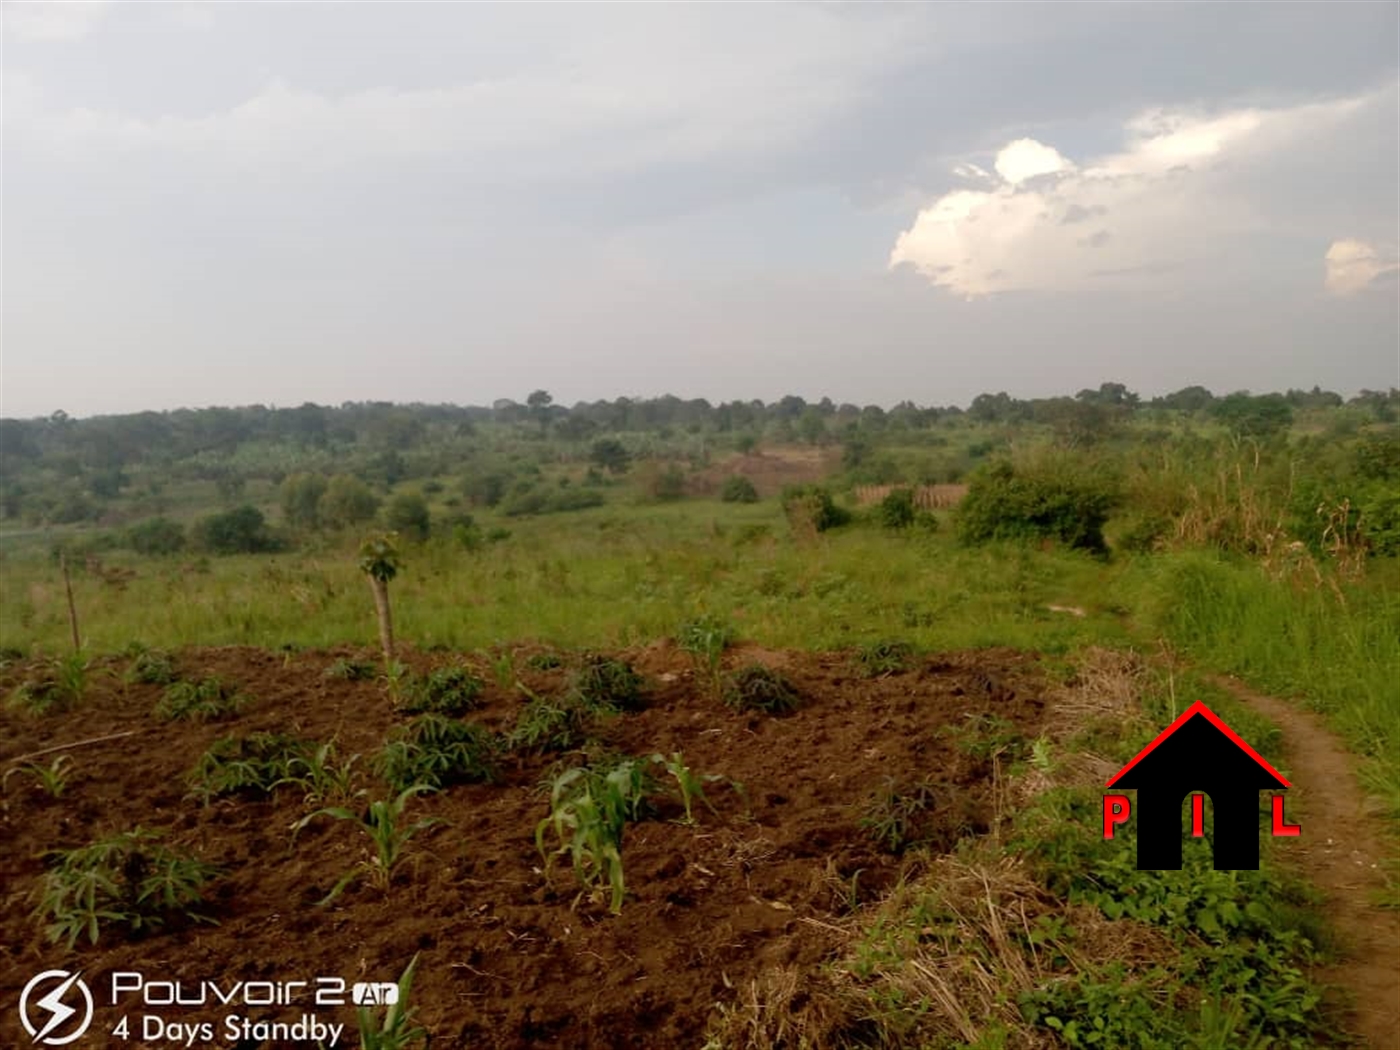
[[1198, 752]]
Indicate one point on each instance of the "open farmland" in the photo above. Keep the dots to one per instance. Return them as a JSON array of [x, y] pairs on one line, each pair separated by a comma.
[[764, 877]]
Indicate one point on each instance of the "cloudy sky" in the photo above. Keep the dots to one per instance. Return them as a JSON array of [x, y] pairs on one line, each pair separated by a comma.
[[275, 203]]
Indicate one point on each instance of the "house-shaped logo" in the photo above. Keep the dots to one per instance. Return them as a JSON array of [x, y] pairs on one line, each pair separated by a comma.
[[1197, 753]]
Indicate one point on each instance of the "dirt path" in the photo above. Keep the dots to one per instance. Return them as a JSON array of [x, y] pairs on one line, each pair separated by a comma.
[[1340, 852]]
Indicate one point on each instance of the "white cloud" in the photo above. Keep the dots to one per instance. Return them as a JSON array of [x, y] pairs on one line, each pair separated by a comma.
[[1026, 158], [1183, 188], [1353, 266], [52, 19]]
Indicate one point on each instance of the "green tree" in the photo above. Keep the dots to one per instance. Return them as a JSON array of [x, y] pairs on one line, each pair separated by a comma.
[[738, 489], [301, 500], [408, 513], [347, 501], [1255, 417]]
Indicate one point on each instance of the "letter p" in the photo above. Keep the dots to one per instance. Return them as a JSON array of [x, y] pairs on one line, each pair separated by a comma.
[[1116, 810]]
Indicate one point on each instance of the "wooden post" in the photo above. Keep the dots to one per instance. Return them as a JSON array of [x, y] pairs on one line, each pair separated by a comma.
[[72, 609]]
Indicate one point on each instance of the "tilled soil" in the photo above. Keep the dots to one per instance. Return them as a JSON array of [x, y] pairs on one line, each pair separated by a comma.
[[510, 956]]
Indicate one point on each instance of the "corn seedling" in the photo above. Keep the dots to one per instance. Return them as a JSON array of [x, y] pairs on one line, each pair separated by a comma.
[[503, 668], [383, 823], [59, 683], [318, 774], [705, 640], [127, 880], [207, 700], [395, 1031], [759, 688], [51, 779], [690, 787], [437, 751], [588, 810]]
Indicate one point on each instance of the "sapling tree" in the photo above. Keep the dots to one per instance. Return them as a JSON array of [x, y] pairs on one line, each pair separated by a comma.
[[379, 560]]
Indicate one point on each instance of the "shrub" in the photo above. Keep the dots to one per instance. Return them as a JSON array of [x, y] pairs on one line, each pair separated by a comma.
[[242, 530], [738, 489], [437, 751], [1006, 502], [759, 688], [897, 817], [897, 510], [128, 880], [882, 658], [446, 691], [347, 501], [549, 725], [812, 507], [207, 700], [605, 683], [408, 514], [151, 667], [350, 670], [253, 764], [155, 537]]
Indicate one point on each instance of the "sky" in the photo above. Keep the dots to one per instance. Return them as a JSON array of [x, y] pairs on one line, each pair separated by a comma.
[[231, 204]]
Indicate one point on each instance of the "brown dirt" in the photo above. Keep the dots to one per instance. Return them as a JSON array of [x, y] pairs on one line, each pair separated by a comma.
[[771, 469], [1340, 852], [509, 958]]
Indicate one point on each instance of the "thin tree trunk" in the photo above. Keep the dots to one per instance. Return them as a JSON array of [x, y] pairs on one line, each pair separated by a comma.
[[72, 609], [386, 622]]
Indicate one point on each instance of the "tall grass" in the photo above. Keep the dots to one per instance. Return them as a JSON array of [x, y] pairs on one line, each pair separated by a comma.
[[603, 578], [1337, 650]]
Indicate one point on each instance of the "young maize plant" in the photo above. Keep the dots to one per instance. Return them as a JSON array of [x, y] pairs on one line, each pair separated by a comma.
[[382, 822]]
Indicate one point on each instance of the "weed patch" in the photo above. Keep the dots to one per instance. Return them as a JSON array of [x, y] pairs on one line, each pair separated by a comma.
[[207, 700], [759, 688], [436, 751]]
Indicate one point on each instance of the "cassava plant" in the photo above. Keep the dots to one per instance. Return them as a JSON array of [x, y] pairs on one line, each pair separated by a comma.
[[379, 561]]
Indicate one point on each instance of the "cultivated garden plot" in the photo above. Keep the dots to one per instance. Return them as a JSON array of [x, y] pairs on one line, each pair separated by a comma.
[[579, 849]]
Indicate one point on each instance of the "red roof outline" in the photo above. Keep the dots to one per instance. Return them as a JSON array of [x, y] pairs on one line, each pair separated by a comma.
[[1199, 708]]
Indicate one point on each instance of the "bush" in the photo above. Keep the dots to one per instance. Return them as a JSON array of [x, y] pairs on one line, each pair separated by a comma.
[[812, 506], [1051, 502], [608, 684], [128, 880], [347, 501], [759, 688], [437, 751], [446, 691], [207, 700], [738, 489], [897, 510], [407, 514], [242, 530], [156, 536]]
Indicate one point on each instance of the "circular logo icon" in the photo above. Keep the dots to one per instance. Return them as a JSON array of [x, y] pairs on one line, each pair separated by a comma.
[[48, 1019]]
